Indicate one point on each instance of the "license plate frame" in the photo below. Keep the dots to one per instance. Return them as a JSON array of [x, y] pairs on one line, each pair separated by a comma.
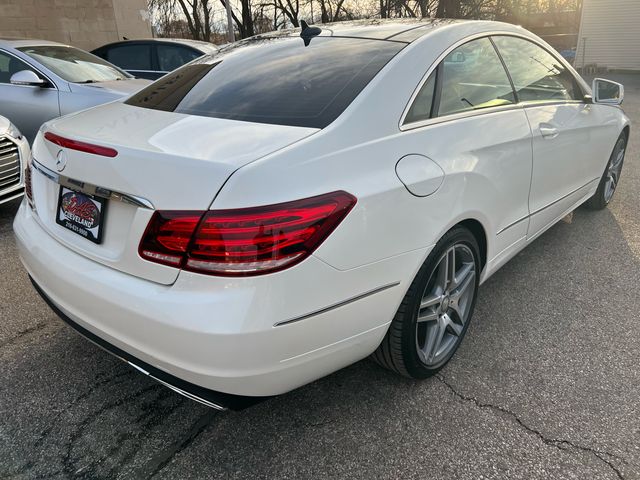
[[81, 213]]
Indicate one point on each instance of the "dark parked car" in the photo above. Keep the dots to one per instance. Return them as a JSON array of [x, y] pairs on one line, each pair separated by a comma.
[[153, 58]]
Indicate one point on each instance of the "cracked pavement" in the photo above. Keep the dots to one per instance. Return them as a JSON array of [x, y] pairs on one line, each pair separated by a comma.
[[545, 385]]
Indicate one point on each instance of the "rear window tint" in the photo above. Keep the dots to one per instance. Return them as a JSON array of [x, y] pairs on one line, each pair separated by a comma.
[[277, 81]]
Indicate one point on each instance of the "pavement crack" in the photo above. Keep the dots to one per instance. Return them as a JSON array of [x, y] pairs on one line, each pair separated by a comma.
[[79, 429], [99, 383], [26, 332], [160, 461], [558, 443]]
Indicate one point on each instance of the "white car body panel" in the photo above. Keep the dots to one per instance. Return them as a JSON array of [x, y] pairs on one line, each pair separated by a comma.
[[268, 334]]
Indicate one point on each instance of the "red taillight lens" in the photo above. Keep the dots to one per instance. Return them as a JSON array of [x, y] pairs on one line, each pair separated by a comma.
[[80, 146], [248, 241], [168, 235]]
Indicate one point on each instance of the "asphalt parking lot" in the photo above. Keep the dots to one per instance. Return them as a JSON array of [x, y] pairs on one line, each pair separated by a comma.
[[545, 385]]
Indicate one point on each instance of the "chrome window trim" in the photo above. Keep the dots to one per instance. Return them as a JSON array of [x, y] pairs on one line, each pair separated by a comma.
[[54, 86], [457, 116], [472, 113], [91, 189]]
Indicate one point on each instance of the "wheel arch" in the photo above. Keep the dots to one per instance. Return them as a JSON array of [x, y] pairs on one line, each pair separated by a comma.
[[478, 231], [627, 131]]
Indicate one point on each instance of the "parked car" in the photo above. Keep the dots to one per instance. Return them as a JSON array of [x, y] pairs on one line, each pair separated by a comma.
[[569, 55], [14, 152], [153, 58], [41, 80], [294, 205]]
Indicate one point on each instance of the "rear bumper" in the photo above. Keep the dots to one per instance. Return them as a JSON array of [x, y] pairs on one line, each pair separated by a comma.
[[219, 334], [211, 398]]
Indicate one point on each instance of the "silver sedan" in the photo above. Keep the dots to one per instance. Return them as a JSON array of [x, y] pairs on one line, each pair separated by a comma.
[[41, 80]]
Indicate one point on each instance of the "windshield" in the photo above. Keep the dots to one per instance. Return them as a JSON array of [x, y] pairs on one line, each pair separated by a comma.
[[277, 81], [74, 65]]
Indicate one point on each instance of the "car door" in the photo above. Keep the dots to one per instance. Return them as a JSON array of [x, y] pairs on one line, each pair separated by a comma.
[[570, 144], [465, 118], [28, 107]]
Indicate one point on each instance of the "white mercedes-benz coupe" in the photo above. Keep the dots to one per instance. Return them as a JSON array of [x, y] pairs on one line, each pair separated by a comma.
[[302, 200]]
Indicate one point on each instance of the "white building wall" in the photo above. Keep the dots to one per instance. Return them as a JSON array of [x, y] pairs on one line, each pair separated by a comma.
[[609, 34]]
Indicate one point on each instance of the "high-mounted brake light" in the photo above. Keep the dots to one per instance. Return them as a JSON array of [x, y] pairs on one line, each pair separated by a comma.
[[247, 241], [80, 146]]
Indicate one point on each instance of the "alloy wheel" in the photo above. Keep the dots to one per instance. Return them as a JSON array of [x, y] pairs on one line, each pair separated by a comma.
[[446, 304], [614, 170]]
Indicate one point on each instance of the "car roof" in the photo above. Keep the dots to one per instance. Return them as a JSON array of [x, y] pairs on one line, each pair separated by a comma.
[[9, 42], [405, 30], [204, 47], [396, 30]]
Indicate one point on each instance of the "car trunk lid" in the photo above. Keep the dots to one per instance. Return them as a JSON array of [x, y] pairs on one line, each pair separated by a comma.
[[164, 161]]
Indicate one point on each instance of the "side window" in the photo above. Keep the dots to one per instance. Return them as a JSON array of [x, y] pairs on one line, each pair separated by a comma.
[[421, 108], [536, 74], [171, 57], [473, 77], [131, 57], [10, 65]]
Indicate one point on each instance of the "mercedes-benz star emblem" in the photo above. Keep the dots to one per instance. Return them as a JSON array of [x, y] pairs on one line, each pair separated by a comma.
[[61, 160]]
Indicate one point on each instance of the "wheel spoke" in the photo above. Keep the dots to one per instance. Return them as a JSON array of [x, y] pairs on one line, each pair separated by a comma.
[[441, 274], [454, 327], [457, 294], [618, 161], [458, 310], [461, 275], [434, 339], [430, 301], [451, 267], [427, 316]]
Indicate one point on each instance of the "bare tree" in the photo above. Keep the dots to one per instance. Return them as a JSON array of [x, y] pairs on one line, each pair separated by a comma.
[[198, 14]]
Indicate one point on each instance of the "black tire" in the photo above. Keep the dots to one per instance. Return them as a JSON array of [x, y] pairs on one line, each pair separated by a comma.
[[398, 351], [601, 199]]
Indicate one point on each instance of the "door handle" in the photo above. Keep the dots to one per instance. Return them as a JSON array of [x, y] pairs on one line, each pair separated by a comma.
[[548, 131]]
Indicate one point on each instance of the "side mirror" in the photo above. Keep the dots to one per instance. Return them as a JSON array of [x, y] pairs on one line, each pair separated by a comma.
[[607, 92], [27, 77]]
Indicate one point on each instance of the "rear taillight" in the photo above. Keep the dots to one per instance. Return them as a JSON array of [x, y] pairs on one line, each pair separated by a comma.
[[247, 241], [80, 146], [168, 235]]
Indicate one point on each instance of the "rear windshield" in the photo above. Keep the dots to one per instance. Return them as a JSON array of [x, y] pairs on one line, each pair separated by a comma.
[[277, 81]]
